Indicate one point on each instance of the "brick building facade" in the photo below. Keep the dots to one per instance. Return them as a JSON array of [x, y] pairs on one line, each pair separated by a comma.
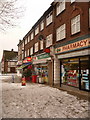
[[9, 61], [59, 44]]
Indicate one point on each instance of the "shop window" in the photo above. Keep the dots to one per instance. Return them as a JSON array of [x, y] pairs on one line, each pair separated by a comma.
[[70, 72], [75, 24]]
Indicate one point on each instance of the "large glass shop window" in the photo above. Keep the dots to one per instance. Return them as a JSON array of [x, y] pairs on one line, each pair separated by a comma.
[[70, 72], [84, 63]]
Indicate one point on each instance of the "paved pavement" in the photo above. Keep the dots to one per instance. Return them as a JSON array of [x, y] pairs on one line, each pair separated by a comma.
[[39, 101]]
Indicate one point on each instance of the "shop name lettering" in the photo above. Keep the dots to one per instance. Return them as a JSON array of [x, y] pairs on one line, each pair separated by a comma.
[[72, 46]]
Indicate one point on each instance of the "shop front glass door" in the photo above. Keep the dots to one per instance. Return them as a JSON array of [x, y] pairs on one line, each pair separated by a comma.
[[84, 63]]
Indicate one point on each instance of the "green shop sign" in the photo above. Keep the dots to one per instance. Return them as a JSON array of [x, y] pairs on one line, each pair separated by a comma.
[[45, 55]]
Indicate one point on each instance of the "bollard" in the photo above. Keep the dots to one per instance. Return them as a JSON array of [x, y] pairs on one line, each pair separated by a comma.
[[12, 78]]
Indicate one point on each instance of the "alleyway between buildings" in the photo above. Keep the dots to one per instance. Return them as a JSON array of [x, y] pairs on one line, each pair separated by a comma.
[[39, 101]]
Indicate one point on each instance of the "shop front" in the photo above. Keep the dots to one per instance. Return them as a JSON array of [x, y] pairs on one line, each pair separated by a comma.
[[41, 67], [74, 61]]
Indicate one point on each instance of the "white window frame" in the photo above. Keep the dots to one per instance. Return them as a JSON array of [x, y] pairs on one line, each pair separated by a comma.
[[37, 30], [25, 41], [31, 50], [41, 44], [36, 47], [25, 54], [49, 40], [49, 18], [32, 35], [42, 26], [28, 52], [60, 7], [8, 69], [73, 1], [75, 24], [61, 32]]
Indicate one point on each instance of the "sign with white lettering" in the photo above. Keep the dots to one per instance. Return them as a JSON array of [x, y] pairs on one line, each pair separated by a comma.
[[72, 46]]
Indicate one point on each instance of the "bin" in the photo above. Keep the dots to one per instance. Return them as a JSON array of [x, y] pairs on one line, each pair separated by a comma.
[[34, 78], [23, 81]]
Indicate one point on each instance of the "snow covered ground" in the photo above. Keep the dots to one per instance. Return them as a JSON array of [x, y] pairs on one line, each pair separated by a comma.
[[39, 101]]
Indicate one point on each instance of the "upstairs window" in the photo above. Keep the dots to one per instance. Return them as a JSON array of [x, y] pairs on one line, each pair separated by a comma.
[[32, 35], [49, 40], [61, 32], [25, 41], [60, 7], [73, 1], [36, 47], [42, 26], [75, 24], [36, 30], [41, 44], [49, 19], [31, 50]]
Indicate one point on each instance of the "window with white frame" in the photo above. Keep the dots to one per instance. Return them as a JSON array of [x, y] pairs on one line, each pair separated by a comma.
[[49, 19], [61, 32], [60, 7], [42, 25], [73, 1], [36, 30], [32, 35], [36, 47], [89, 17], [41, 44], [49, 40], [9, 63], [12, 63], [25, 41], [31, 50], [28, 38], [8, 69], [25, 54], [28, 52], [75, 24]]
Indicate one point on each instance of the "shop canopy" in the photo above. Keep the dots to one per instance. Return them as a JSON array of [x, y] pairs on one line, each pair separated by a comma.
[[24, 65]]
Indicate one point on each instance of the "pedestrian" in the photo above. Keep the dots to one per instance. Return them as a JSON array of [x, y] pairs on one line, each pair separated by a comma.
[[12, 78]]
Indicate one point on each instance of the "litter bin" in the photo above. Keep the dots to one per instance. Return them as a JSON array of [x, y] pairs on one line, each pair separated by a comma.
[[34, 78]]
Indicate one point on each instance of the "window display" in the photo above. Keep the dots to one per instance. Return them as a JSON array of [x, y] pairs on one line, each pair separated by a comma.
[[70, 73], [75, 72]]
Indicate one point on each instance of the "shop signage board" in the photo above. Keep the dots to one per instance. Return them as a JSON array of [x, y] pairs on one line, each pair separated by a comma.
[[73, 46], [42, 56]]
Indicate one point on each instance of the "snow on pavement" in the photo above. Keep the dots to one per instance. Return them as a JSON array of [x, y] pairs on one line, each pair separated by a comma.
[[40, 101]]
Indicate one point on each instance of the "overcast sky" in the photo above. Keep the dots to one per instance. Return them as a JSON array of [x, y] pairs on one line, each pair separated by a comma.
[[34, 10]]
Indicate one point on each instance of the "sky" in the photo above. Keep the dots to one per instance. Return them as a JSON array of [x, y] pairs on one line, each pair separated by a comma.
[[34, 9]]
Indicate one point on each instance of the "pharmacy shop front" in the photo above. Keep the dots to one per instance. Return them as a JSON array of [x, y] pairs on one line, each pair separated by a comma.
[[74, 66]]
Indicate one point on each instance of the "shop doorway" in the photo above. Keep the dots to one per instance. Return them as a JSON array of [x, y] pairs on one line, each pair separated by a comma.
[[84, 71]]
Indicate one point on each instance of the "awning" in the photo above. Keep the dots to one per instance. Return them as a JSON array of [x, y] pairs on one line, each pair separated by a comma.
[[24, 65]]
